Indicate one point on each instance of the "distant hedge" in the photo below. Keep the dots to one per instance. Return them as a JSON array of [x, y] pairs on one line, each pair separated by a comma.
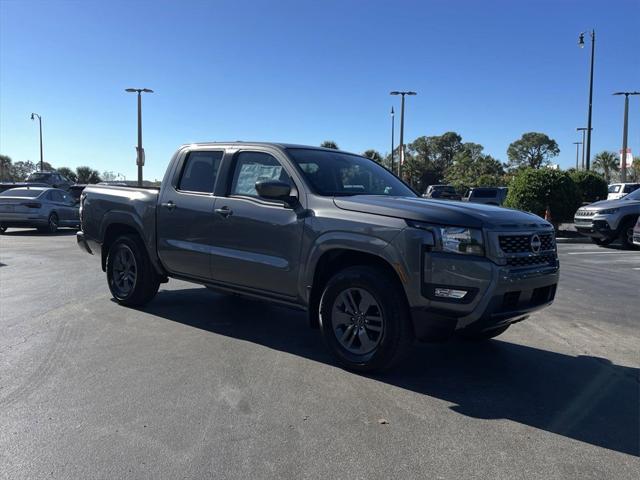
[[591, 185], [532, 190]]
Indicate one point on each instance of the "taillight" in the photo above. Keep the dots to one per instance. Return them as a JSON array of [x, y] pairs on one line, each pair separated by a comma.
[[32, 204]]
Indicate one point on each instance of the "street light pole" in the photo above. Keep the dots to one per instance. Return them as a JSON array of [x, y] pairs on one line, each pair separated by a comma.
[[593, 50], [583, 130], [625, 131], [140, 151], [393, 124], [401, 162], [577, 144], [33, 115]]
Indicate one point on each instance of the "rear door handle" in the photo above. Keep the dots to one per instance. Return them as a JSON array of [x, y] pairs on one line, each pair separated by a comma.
[[224, 211], [170, 205]]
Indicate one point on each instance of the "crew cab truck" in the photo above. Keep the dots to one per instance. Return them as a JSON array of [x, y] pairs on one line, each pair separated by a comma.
[[332, 233]]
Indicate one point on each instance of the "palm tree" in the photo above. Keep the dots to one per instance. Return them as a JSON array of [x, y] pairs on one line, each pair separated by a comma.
[[607, 163]]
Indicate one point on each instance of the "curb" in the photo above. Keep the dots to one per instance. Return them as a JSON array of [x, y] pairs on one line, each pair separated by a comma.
[[573, 240]]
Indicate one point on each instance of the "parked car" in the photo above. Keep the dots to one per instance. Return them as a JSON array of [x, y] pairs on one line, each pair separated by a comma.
[[486, 195], [53, 179], [42, 207], [9, 185], [636, 233], [443, 192], [374, 266], [608, 220], [619, 190]]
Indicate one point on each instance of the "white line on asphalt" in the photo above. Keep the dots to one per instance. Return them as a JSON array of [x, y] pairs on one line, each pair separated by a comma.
[[600, 253]]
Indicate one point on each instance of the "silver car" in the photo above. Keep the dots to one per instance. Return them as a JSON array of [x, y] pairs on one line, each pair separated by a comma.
[[41, 207]]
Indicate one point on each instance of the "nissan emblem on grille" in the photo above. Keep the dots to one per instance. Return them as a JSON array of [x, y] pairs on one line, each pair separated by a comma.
[[535, 243]]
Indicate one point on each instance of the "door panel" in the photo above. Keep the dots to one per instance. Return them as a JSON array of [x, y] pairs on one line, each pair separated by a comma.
[[185, 216], [257, 242]]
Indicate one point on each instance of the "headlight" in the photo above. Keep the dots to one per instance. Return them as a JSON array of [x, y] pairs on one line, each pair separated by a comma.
[[467, 241], [607, 211], [462, 240]]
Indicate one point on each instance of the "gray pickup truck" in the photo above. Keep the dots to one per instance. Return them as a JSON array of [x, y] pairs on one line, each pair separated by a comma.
[[332, 233]]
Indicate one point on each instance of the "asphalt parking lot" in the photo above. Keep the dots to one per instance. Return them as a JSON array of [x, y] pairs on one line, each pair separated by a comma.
[[200, 385]]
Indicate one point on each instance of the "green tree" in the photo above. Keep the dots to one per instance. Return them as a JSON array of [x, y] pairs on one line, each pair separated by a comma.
[[22, 169], [427, 159], [473, 168], [633, 173], [591, 185], [374, 155], [108, 176], [6, 174], [87, 175], [532, 190], [607, 163], [533, 150], [67, 172], [330, 144]]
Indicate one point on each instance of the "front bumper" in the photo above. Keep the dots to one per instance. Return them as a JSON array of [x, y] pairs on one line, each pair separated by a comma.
[[87, 244], [510, 297], [600, 228]]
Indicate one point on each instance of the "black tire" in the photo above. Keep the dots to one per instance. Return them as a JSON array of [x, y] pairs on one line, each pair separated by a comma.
[[131, 278], [52, 224], [626, 235], [603, 242], [386, 311], [481, 335]]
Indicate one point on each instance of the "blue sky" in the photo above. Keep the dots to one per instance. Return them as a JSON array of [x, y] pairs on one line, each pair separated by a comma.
[[307, 71]]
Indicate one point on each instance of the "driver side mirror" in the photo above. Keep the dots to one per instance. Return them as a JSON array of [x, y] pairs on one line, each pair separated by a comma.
[[274, 190]]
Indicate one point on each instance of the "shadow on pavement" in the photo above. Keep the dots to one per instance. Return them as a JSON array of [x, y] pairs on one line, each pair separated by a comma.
[[584, 398], [62, 232]]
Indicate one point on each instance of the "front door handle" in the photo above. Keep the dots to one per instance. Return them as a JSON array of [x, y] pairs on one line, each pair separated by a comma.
[[224, 211], [170, 205]]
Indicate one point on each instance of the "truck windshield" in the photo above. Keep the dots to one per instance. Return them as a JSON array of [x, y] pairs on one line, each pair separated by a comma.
[[343, 174]]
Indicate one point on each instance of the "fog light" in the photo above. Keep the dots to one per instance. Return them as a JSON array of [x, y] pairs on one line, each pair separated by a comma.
[[450, 293]]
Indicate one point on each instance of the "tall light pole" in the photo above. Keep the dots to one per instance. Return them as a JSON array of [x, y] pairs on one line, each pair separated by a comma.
[[577, 144], [593, 50], [401, 162], [583, 130], [33, 117], [139, 150], [625, 130], [393, 125]]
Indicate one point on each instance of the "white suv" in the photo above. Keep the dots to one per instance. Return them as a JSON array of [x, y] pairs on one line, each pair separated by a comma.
[[619, 190]]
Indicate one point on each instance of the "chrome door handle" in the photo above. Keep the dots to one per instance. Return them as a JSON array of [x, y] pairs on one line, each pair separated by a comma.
[[170, 205], [224, 211]]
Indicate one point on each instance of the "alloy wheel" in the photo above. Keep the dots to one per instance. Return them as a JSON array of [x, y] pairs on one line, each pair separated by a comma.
[[124, 272], [357, 321]]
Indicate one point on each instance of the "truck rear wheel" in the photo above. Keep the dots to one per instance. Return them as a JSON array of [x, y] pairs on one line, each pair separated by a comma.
[[364, 319], [130, 275]]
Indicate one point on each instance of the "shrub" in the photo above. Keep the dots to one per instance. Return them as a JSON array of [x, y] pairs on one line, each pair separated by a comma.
[[591, 185], [532, 190]]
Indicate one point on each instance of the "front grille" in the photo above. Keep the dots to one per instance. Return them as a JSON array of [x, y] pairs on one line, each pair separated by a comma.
[[586, 213], [522, 243], [531, 261]]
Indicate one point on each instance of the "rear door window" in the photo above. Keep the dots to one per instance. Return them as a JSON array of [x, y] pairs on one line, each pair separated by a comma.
[[200, 171]]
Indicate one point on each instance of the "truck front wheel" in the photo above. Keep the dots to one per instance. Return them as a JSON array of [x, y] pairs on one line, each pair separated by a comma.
[[130, 275], [364, 319]]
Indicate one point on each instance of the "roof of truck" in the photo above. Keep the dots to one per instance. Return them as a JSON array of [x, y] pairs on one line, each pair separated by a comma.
[[262, 144]]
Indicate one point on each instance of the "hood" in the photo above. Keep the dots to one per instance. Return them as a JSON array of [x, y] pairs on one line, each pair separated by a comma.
[[441, 212], [618, 203]]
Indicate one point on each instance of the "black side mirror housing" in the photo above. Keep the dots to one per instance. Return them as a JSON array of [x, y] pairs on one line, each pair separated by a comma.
[[274, 190]]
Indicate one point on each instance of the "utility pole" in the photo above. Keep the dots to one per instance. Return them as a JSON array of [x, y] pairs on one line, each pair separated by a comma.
[[33, 115], [401, 162], [584, 131], [393, 124], [139, 149], [577, 144], [625, 131], [593, 50]]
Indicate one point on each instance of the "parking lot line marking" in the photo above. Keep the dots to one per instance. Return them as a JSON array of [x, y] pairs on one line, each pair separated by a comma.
[[601, 253]]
